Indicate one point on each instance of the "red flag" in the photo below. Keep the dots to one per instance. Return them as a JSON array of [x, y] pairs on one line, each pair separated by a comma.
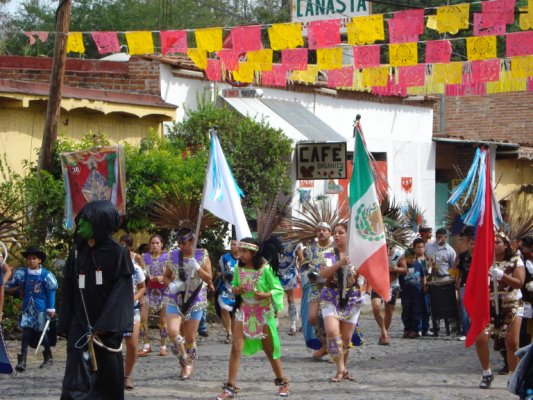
[[476, 298]]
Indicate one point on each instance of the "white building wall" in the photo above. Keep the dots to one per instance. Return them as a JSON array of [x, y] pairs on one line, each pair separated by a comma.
[[404, 132]]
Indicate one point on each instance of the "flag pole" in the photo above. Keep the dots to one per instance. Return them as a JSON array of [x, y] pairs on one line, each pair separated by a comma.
[[212, 131]]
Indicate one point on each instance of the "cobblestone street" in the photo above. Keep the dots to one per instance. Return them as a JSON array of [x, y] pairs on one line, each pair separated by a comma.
[[424, 368]]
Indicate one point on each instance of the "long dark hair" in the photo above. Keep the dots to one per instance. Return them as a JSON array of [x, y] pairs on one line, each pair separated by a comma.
[[257, 259], [509, 253]]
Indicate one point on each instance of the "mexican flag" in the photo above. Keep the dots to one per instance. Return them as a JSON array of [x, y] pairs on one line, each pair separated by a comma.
[[367, 248]]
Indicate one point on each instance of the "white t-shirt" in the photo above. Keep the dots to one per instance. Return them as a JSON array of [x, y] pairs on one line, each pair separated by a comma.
[[137, 277]]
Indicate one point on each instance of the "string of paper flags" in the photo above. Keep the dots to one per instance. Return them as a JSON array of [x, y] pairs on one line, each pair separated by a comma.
[[243, 57]]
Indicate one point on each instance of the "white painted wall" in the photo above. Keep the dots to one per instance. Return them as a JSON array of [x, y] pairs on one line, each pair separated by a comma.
[[404, 132]]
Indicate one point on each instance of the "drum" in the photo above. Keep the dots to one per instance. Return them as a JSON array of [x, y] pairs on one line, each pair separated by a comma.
[[443, 304]]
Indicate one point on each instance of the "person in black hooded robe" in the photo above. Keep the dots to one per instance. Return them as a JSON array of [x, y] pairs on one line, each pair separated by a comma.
[[106, 268]]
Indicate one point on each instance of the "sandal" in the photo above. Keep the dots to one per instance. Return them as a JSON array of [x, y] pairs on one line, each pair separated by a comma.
[[229, 391], [229, 339], [320, 353], [186, 372], [292, 331], [339, 376], [383, 341], [127, 383], [146, 349], [347, 377]]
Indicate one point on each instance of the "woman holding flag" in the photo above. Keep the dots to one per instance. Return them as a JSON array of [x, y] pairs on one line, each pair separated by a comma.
[[508, 273], [341, 300]]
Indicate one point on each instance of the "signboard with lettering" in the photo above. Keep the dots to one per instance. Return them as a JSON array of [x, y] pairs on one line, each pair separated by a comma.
[[321, 160], [312, 10]]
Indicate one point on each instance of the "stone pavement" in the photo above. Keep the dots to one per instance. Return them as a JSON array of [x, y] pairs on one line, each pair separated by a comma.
[[423, 368]]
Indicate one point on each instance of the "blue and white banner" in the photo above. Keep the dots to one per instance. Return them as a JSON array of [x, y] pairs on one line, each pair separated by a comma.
[[222, 194]]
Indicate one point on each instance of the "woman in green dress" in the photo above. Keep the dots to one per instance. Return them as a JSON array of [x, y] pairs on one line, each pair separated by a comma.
[[260, 295]]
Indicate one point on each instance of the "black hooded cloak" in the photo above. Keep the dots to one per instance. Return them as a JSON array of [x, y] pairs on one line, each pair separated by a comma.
[[109, 307]]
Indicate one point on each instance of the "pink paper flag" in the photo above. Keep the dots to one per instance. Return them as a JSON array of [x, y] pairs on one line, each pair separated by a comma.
[[106, 42], [392, 89], [473, 88], [214, 70], [498, 12], [438, 51], [491, 31], [366, 56], [519, 44], [294, 59], [246, 38], [406, 26], [173, 42], [229, 58], [42, 36], [414, 75], [485, 71], [530, 84], [323, 33], [414, 20], [340, 77], [398, 32], [276, 77]]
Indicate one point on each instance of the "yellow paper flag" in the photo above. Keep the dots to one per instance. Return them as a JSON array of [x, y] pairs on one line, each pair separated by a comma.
[[526, 16], [140, 42], [260, 59], [307, 76], [452, 18], [365, 30], [209, 39], [285, 36], [507, 84], [198, 57], [376, 76], [432, 22], [522, 67], [451, 73], [75, 43], [329, 58], [481, 47], [245, 73], [402, 54]]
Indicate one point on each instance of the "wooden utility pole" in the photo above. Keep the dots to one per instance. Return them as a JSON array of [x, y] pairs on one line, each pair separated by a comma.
[[56, 86]]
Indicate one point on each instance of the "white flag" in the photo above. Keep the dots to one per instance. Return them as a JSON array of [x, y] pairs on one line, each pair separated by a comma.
[[222, 194]]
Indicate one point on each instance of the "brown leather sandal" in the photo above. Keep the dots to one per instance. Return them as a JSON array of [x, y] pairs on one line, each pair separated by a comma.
[[339, 376], [127, 383], [347, 377]]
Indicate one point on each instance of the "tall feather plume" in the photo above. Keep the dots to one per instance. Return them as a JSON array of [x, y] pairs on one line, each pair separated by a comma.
[[398, 230], [172, 210], [270, 217]]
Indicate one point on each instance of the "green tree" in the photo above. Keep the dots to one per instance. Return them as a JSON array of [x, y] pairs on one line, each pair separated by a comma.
[[258, 154]]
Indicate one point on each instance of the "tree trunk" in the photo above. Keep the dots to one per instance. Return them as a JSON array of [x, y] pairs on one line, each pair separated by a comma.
[[56, 86]]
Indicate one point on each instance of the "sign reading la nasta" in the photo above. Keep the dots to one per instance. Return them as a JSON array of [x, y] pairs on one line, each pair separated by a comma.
[[321, 160], [311, 10]]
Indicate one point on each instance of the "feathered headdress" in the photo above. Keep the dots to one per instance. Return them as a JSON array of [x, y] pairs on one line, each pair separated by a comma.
[[304, 223], [398, 229], [173, 210]]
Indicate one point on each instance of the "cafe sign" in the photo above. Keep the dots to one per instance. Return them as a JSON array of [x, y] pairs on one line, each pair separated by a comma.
[[321, 160]]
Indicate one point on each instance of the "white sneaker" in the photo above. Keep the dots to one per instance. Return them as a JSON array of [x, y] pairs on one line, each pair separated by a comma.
[[461, 338]]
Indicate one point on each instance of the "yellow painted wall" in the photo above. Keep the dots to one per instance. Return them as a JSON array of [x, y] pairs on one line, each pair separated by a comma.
[[21, 129], [510, 175]]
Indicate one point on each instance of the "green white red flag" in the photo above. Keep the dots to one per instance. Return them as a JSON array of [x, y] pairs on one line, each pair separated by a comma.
[[367, 247]]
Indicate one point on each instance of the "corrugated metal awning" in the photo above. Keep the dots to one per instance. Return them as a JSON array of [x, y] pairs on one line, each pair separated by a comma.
[[298, 123], [474, 142]]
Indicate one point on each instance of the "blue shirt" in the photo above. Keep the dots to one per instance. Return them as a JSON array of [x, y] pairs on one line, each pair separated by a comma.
[[411, 283]]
